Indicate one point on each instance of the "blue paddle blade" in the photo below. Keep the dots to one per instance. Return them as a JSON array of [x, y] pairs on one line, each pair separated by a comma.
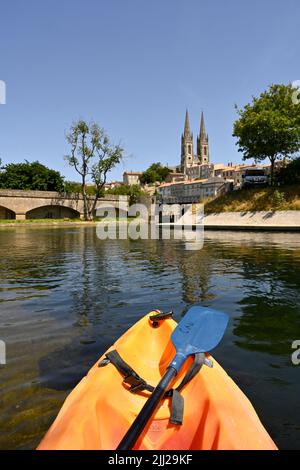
[[200, 330]]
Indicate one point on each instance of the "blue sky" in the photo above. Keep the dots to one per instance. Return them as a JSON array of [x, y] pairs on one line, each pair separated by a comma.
[[134, 66]]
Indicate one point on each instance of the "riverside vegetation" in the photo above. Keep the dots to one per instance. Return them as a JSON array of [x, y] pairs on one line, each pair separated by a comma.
[[256, 199]]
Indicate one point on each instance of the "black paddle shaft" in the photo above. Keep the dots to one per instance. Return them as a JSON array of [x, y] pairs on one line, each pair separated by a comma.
[[147, 411], [200, 330]]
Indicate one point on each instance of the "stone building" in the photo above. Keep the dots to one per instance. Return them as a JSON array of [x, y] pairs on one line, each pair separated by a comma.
[[200, 171], [192, 191], [174, 176], [132, 177], [233, 172]]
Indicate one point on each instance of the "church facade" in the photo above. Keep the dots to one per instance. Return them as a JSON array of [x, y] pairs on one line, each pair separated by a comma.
[[195, 165]]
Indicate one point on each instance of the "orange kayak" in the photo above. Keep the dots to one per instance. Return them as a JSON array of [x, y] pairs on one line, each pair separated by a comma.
[[101, 408]]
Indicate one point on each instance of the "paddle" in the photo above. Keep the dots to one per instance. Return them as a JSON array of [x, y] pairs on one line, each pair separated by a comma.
[[200, 330]]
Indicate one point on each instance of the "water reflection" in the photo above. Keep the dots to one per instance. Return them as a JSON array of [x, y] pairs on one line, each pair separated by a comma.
[[65, 296]]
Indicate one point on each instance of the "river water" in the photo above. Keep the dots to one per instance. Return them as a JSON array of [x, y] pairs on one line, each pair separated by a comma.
[[66, 296]]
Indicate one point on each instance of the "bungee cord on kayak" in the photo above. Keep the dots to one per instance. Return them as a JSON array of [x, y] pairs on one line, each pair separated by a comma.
[[101, 413]]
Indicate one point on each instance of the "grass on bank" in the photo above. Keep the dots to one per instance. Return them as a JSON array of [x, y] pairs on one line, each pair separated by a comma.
[[256, 199], [56, 221], [37, 221]]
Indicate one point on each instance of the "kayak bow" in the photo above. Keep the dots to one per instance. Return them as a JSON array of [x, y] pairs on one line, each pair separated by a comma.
[[99, 411]]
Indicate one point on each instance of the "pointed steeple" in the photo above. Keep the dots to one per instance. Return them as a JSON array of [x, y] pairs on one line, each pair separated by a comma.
[[187, 147], [202, 143], [187, 131], [202, 128]]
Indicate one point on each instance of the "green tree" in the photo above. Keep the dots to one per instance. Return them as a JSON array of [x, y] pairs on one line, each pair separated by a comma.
[[74, 187], [133, 191], [289, 174], [269, 126], [156, 172], [30, 176], [92, 156]]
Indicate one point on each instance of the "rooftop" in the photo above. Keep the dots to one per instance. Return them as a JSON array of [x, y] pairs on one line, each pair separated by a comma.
[[214, 179], [132, 173]]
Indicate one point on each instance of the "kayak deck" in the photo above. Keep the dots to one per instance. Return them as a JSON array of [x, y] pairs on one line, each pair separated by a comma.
[[100, 409]]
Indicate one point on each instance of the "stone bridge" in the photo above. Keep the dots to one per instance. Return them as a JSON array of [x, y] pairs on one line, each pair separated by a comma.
[[21, 205]]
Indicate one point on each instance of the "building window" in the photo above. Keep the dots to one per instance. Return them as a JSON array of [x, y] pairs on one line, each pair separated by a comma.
[[205, 151], [189, 149]]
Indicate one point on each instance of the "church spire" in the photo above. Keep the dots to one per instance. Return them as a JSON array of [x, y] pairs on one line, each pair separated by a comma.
[[202, 143], [187, 150], [187, 131], [202, 135]]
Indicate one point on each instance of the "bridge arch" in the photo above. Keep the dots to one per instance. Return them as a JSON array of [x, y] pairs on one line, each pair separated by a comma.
[[52, 211], [6, 213]]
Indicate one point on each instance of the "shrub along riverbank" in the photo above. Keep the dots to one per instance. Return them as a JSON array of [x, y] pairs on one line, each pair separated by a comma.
[[280, 198], [12, 222], [41, 221]]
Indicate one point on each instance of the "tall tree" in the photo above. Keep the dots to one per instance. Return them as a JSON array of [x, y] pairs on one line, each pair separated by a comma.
[[155, 172], [93, 157], [290, 173], [269, 126], [30, 176]]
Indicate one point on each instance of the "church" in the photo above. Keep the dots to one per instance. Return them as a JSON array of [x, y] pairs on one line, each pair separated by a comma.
[[195, 166]]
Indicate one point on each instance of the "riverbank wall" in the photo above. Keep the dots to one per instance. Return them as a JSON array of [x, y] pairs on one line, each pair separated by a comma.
[[258, 220], [281, 221]]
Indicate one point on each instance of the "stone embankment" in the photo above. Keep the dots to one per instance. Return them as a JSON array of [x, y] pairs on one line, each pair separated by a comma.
[[259, 220]]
